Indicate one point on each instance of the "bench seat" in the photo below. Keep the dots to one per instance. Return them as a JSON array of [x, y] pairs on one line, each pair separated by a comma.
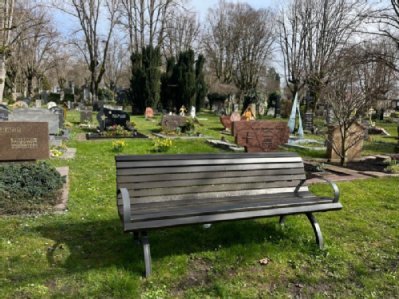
[[160, 191], [158, 215]]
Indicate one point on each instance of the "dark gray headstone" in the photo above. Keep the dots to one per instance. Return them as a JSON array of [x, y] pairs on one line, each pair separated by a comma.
[[308, 121], [108, 118], [277, 105], [60, 112]]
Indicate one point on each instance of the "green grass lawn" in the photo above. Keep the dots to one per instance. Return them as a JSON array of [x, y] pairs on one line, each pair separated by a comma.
[[84, 254]]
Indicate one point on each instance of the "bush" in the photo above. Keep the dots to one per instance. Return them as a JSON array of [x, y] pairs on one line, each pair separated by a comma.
[[28, 187], [162, 145], [118, 146], [393, 167]]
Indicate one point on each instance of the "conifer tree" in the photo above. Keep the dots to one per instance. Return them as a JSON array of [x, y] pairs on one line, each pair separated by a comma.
[[145, 83], [200, 85]]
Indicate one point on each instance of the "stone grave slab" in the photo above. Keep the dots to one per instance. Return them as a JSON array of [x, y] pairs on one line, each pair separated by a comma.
[[308, 126], [260, 136], [60, 113], [21, 141], [4, 113], [172, 122], [37, 115], [356, 137], [86, 116]]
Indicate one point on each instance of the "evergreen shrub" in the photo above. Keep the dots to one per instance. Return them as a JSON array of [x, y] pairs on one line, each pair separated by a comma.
[[28, 187]]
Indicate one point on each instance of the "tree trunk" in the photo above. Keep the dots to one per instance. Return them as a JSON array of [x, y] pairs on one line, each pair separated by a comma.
[[2, 76], [343, 147], [30, 85]]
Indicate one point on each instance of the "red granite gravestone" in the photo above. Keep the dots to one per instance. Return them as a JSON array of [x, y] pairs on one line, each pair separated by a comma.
[[260, 136], [149, 113], [226, 122], [22, 141]]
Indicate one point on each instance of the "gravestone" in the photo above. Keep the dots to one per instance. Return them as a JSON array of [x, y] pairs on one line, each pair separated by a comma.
[[108, 118], [60, 112], [271, 111], [51, 105], [38, 103], [277, 112], [86, 116], [37, 115], [170, 123], [261, 109], [192, 112], [4, 113], [309, 121], [21, 141], [111, 107], [330, 117], [235, 116], [260, 136], [226, 122], [356, 136], [149, 112]]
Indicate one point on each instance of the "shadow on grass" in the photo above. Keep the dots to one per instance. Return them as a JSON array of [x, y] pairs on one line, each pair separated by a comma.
[[379, 147], [217, 129], [100, 244]]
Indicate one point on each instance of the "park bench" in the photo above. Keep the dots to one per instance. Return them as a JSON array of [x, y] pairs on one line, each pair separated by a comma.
[[158, 191]]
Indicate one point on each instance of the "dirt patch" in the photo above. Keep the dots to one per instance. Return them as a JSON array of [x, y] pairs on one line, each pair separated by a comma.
[[199, 274]]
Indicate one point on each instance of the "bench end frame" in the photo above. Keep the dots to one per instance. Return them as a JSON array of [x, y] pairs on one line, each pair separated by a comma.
[[126, 205], [332, 184]]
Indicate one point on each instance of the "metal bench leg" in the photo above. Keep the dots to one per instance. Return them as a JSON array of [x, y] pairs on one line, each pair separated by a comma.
[[147, 254], [282, 219], [316, 229]]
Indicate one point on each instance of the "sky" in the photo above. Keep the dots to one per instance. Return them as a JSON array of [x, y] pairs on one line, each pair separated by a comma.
[[202, 6]]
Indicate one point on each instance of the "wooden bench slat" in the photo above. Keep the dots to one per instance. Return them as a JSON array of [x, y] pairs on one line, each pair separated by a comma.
[[210, 168], [220, 194], [157, 206], [180, 162], [212, 181], [198, 175], [162, 157], [145, 225], [224, 207], [207, 188]]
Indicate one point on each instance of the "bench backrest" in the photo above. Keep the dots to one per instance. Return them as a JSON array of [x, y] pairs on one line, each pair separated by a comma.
[[155, 178]]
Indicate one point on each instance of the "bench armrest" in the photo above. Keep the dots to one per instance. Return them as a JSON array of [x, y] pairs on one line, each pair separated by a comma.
[[332, 184], [126, 204]]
